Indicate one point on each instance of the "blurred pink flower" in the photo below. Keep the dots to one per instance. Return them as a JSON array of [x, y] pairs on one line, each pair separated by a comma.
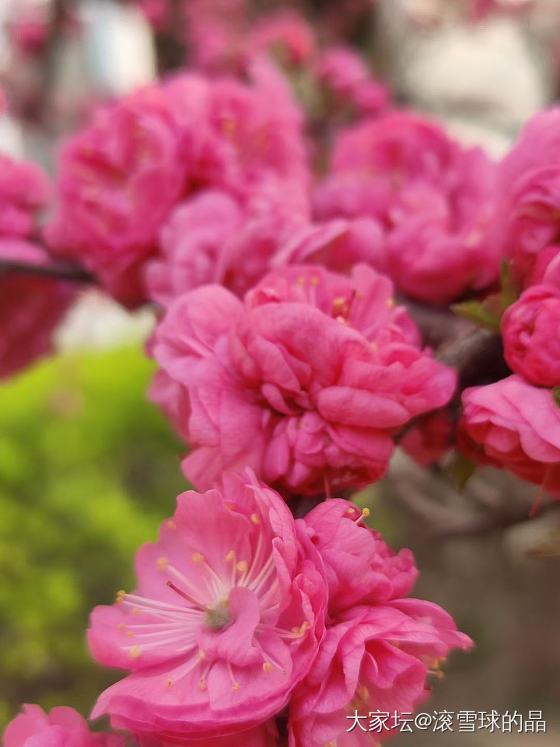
[[307, 381], [528, 221], [429, 437], [379, 647], [214, 238], [62, 727], [24, 190], [531, 334], [226, 619], [433, 198], [120, 178], [31, 306], [285, 32], [347, 80], [517, 426]]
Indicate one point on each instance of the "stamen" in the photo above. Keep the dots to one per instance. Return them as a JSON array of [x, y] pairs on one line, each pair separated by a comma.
[[135, 651], [169, 684], [183, 594], [171, 524], [197, 557], [161, 563], [255, 519]]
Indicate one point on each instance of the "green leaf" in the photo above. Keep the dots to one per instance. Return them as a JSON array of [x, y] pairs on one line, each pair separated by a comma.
[[479, 313]]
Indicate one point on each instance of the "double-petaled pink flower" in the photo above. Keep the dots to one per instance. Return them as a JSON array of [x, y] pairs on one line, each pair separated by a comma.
[[225, 621], [379, 646], [307, 380], [432, 198], [531, 334], [514, 425], [120, 179]]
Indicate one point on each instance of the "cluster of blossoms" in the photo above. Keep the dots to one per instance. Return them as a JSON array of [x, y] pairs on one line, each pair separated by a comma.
[[243, 613], [515, 422], [288, 367]]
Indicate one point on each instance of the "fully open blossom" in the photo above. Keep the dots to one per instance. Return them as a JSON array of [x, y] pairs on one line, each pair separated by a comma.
[[529, 187], [531, 334], [120, 178], [62, 727], [379, 646], [516, 426], [347, 80], [306, 381], [225, 621], [432, 197]]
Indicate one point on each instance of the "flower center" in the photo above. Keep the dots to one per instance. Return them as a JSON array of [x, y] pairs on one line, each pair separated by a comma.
[[219, 616]]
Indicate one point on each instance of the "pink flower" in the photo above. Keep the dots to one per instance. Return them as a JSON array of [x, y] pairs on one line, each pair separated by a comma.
[[24, 190], [31, 306], [336, 244], [117, 181], [433, 199], [224, 623], [62, 727], [284, 31], [306, 381], [348, 81], [531, 334], [214, 238], [120, 179], [517, 426], [428, 438], [379, 647], [529, 188]]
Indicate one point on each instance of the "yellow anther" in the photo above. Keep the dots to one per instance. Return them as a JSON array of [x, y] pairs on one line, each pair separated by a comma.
[[255, 519], [197, 557], [242, 566], [236, 687], [267, 667], [390, 303], [230, 556], [120, 595], [229, 506], [339, 303], [363, 693], [314, 280], [135, 652], [201, 654], [365, 512], [169, 684], [129, 634], [202, 684], [162, 563], [135, 611], [171, 524], [121, 626]]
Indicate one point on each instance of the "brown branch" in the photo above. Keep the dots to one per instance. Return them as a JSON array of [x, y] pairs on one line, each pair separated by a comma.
[[60, 270]]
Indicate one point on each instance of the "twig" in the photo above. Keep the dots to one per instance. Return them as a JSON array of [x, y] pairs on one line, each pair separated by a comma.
[[60, 270]]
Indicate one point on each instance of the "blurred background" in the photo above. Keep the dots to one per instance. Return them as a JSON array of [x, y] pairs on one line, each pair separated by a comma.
[[88, 468]]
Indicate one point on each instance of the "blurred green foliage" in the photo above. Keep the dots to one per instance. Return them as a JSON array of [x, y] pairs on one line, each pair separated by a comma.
[[88, 469]]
